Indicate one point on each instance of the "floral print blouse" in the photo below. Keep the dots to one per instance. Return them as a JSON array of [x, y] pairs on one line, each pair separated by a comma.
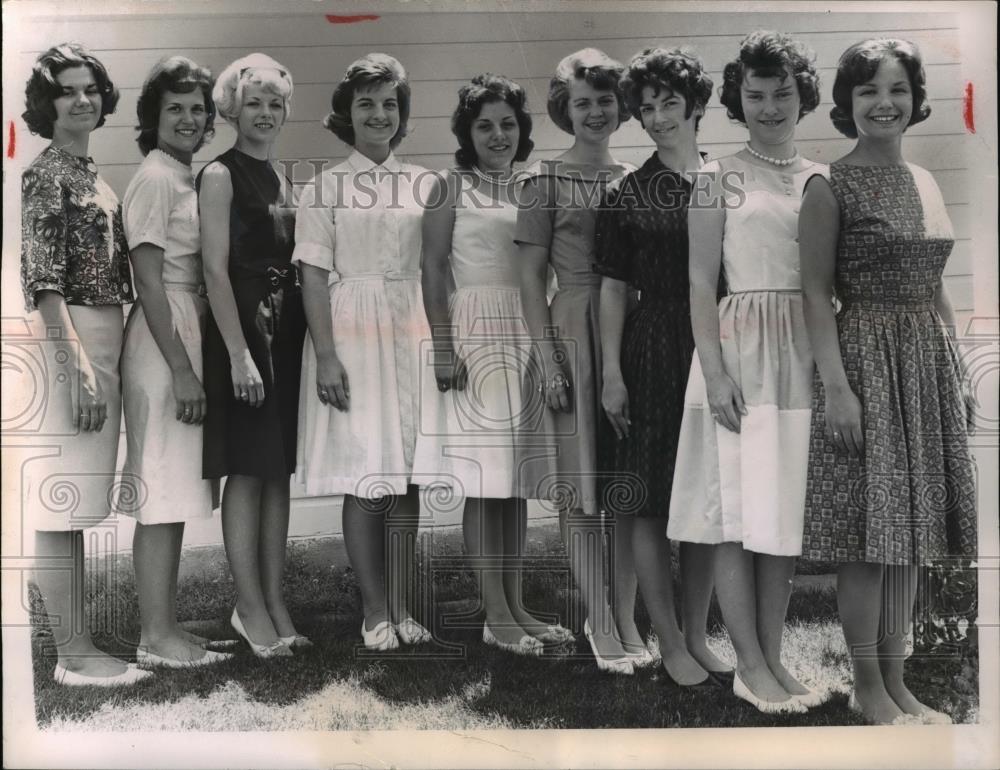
[[72, 235]]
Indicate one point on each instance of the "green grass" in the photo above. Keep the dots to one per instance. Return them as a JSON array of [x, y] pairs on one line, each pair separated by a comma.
[[456, 684]]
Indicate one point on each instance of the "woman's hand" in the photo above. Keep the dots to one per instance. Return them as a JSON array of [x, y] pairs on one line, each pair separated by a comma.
[[725, 401], [556, 384], [331, 383], [450, 371], [615, 402], [190, 397], [248, 386], [90, 409], [844, 427]]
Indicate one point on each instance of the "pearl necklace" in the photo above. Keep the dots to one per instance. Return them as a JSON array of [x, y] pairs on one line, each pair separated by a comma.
[[491, 179], [781, 162]]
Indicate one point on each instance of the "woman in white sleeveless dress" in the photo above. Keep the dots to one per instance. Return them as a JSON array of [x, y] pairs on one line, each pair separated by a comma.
[[479, 350]]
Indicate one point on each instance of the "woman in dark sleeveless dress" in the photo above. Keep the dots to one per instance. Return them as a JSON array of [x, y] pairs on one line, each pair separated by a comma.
[[253, 346]]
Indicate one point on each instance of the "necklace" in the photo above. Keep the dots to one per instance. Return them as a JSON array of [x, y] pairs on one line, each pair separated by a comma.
[[773, 161], [172, 157], [491, 179]]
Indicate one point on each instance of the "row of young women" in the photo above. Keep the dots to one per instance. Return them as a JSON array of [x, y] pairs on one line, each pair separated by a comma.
[[436, 357]]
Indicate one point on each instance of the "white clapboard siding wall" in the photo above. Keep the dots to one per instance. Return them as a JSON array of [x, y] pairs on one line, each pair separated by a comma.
[[442, 49]]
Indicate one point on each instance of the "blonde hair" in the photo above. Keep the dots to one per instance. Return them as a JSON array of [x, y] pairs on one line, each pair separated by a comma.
[[255, 69]]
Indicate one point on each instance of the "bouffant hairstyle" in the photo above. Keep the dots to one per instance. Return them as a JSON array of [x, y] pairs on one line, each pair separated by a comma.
[[370, 71], [482, 90], [255, 69], [679, 71], [42, 88], [858, 65], [592, 66], [769, 54], [178, 75]]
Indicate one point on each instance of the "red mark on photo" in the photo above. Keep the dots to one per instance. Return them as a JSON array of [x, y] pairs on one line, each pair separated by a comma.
[[11, 140], [334, 18], [968, 109]]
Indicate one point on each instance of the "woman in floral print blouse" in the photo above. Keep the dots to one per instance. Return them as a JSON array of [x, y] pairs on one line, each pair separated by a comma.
[[74, 273]]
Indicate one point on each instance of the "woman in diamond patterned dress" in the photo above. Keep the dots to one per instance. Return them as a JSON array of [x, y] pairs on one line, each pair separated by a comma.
[[890, 483]]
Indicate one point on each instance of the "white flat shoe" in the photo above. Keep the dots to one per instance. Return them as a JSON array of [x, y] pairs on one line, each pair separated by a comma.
[[556, 635], [527, 645], [788, 706], [411, 632], [902, 719], [130, 675], [275, 650], [146, 659], [382, 637], [811, 699], [296, 642], [623, 666]]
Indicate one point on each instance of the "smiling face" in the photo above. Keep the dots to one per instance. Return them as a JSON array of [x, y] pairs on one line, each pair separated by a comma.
[[663, 118], [882, 107], [495, 136], [182, 123], [78, 105], [262, 114], [592, 112], [771, 108], [375, 116]]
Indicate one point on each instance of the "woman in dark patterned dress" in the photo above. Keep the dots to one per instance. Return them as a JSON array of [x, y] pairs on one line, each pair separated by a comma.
[[253, 346], [642, 243], [74, 273], [890, 483]]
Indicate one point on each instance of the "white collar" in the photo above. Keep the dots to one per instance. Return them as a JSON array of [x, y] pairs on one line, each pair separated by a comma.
[[361, 163]]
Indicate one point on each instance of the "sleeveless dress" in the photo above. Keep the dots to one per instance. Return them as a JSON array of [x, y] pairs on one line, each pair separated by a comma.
[[241, 439], [164, 456], [361, 221], [749, 487], [557, 452], [911, 496], [469, 442], [642, 240]]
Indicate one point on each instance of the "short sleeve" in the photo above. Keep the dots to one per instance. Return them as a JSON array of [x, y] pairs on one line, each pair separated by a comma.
[[613, 249], [146, 210], [315, 231], [535, 212], [43, 235]]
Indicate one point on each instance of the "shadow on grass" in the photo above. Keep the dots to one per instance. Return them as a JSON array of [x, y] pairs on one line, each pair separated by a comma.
[[563, 689]]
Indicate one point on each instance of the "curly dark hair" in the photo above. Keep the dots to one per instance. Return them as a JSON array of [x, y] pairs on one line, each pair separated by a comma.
[[369, 71], [179, 75], [859, 63], [678, 70], [42, 87], [769, 54], [592, 66], [482, 90]]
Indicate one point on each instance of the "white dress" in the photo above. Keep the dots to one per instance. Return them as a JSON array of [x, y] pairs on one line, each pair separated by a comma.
[[468, 444], [163, 460], [362, 222], [749, 487]]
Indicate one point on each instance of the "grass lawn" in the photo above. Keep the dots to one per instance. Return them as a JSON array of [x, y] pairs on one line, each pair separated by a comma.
[[456, 683]]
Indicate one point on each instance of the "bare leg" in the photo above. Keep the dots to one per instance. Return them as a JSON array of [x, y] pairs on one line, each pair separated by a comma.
[[859, 601], [59, 575], [625, 583], [899, 589], [774, 588], [584, 540], [735, 585], [697, 572], [155, 551], [402, 520], [241, 504], [515, 533], [652, 563], [187, 635], [271, 552], [482, 528], [364, 538]]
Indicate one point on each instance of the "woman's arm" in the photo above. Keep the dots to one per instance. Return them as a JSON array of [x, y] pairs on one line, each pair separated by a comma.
[[331, 377], [438, 225], [612, 322], [819, 232], [534, 266], [90, 409], [147, 271], [706, 226], [214, 201]]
